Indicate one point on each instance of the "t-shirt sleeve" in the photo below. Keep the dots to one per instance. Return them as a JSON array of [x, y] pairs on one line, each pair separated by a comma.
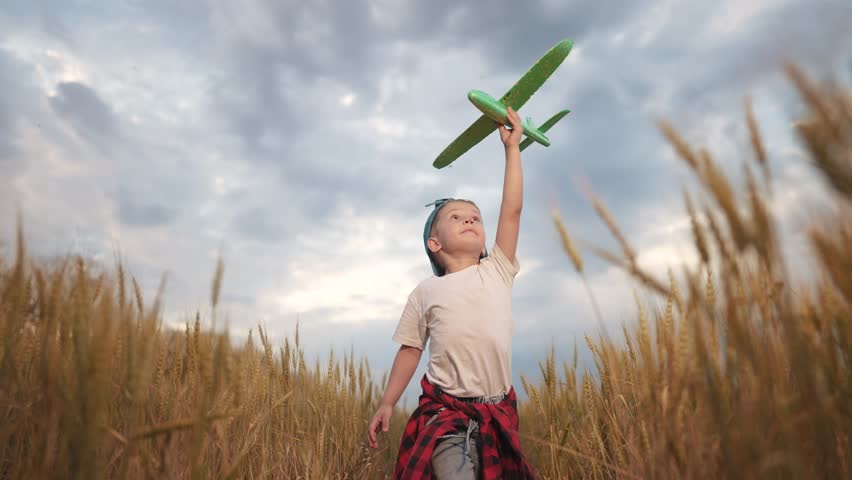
[[506, 269], [412, 329]]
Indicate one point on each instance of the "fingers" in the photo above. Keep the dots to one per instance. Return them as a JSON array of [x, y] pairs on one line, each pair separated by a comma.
[[504, 132], [513, 118], [380, 421], [371, 433], [511, 136]]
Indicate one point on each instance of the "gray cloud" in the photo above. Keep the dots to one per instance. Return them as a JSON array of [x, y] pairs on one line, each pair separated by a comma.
[[84, 110], [14, 102], [223, 125], [519, 32], [53, 24], [262, 224], [144, 215], [245, 300]]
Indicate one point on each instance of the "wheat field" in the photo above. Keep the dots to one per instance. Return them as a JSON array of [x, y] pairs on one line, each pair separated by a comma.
[[744, 373]]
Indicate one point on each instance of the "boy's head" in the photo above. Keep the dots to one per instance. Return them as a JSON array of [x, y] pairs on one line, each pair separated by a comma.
[[453, 227]]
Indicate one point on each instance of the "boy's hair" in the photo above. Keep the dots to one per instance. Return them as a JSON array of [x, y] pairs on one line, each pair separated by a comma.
[[429, 229]]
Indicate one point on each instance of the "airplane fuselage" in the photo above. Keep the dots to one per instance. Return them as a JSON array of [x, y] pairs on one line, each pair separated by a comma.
[[493, 109]]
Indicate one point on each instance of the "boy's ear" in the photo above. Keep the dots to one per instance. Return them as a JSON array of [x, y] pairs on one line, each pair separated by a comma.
[[434, 246]]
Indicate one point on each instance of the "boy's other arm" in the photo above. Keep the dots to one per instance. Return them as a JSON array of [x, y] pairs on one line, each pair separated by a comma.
[[509, 223], [404, 365]]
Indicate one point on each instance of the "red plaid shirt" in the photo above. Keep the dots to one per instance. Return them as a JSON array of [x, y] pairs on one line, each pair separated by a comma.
[[500, 454]]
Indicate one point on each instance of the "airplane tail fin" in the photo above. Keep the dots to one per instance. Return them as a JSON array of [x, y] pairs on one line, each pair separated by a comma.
[[544, 127]]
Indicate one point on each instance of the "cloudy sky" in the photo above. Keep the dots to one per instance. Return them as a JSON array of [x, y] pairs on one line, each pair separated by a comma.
[[296, 140]]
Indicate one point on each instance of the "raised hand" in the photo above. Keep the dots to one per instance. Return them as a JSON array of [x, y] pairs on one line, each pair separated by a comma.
[[512, 137]]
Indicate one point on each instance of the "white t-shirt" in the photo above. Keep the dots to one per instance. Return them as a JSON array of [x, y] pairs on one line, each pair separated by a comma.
[[467, 317]]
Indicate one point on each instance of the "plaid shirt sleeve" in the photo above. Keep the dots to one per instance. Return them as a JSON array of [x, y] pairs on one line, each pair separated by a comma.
[[500, 449]]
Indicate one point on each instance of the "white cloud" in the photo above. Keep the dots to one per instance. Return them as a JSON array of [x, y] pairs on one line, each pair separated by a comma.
[[353, 292], [654, 20], [248, 20], [356, 266], [347, 100], [732, 15]]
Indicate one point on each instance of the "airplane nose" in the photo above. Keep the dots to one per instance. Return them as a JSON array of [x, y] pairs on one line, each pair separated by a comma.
[[478, 98], [491, 107]]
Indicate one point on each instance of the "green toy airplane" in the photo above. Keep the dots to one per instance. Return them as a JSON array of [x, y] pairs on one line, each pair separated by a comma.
[[495, 111]]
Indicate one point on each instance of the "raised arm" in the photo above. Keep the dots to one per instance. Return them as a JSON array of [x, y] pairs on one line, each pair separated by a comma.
[[509, 223]]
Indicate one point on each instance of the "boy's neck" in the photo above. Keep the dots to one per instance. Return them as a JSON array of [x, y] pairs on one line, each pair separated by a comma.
[[460, 262]]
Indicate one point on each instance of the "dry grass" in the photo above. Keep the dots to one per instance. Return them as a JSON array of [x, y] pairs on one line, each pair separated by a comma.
[[742, 374], [746, 375], [92, 386]]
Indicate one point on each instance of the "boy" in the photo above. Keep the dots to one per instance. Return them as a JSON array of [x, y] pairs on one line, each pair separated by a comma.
[[466, 423]]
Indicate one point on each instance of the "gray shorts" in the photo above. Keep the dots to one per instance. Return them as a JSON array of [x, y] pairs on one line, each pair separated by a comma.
[[456, 455]]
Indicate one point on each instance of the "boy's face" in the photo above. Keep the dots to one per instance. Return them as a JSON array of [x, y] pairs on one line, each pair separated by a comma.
[[459, 228]]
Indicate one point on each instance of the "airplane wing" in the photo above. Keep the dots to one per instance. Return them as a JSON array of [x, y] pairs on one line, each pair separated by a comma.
[[545, 127], [474, 134], [516, 97], [521, 91]]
